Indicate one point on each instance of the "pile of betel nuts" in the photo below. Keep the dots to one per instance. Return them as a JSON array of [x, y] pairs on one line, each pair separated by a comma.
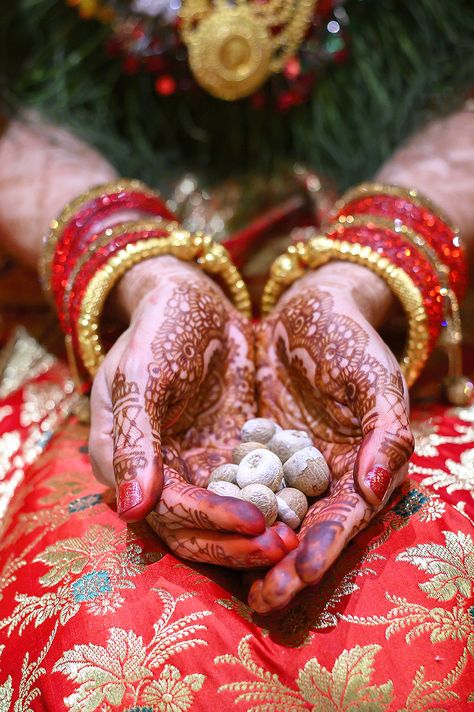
[[275, 469]]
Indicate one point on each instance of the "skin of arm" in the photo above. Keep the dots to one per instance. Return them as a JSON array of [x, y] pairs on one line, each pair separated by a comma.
[[43, 167]]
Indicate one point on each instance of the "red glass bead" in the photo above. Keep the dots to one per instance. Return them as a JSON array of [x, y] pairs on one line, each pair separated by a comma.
[[392, 245], [165, 85], [79, 232], [421, 220]]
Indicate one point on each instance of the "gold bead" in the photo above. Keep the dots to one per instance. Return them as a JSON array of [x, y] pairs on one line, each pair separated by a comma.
[[460, 391], [287, 269], [320, 250], [180, 243]]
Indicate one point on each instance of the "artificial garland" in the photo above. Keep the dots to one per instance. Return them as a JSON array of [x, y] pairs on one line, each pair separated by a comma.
[[407, 61]]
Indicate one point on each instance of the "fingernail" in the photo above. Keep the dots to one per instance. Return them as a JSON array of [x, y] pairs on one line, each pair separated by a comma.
[[129, 495], [378, 480]]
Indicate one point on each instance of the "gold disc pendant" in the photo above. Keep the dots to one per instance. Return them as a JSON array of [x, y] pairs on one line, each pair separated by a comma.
[[230, 53]]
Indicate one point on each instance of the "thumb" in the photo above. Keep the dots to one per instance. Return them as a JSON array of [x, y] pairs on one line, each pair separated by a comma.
[[387, 444], [137, 462]]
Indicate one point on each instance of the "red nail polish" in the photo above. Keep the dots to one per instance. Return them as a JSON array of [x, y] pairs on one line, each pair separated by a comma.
[[379, 480], [129, 495]]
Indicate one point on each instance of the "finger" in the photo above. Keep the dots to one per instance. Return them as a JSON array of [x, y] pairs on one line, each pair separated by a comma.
[[328, 528], [277, 588], [137, 460], [287, 535], [183, 505], [101, 449], [388, 442], [231, 550]]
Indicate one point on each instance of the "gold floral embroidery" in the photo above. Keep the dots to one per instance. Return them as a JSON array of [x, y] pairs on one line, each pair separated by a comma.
[[237, 606], [115, 561], [9, 444], [451, 571], [22, 359], [441, 624], [121, 672], [39, 399], [171, 693], [457, 475], [434, 509], [6, 692], [344, 688], [67, 484], [451, 567], [30, 672], [58, 603], [428, 439], [431, 694]]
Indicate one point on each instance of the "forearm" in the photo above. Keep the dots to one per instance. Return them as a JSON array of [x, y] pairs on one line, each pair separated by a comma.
[[352, 283], [438, 162], [42, 167]]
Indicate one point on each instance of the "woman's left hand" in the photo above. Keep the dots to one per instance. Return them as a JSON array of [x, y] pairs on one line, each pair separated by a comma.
[[322, 367]]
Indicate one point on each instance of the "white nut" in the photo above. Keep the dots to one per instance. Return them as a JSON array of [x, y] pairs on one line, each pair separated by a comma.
[[260, 467], [224, 473], [292, 506], [224, 489], [282, 485], [263, 498], [307, 471], [240, 451], [259, 430], [287, 442]]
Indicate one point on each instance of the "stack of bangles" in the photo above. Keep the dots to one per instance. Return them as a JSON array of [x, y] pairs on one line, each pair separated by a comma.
[[392, 231], [402, 237], [81, 261]]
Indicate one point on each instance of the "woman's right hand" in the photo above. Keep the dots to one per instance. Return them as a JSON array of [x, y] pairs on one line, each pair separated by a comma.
[[167, 406]]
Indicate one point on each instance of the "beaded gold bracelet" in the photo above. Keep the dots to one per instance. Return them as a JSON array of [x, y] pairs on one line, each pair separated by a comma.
[[395, 231], [200, 249], [319, 250]]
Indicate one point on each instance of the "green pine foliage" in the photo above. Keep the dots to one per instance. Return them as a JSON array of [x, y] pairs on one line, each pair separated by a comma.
[[409, 60]]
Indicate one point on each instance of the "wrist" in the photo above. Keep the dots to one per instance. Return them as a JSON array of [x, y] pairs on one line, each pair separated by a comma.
[[148, 275], [355, 284]]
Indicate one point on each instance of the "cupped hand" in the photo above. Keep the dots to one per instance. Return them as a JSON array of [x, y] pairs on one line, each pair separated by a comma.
[[321, 367], [167, 406]]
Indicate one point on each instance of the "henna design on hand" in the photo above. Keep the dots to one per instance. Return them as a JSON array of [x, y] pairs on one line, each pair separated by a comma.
[[321, 370], [129, 456], [182, 348], [340, 388]]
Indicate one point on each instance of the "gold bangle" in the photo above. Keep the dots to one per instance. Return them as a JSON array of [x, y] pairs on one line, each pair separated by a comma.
[[397, 191], [110, 234], [319, 250], [210, 256], [57, 225], [451, 314]]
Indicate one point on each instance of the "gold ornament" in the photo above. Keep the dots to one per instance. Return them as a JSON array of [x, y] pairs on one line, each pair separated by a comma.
[[198, 248], [233, 49], [319, 250]]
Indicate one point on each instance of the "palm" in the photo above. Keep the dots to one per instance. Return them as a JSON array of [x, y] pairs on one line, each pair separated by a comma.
[[174, 391], [322, 368], [316, 372], [202, 426]]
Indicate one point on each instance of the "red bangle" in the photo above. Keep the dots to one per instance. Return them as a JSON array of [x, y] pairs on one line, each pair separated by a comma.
[[416, 236], [393, 246], [74, 230], [442, 236], [108, 243]]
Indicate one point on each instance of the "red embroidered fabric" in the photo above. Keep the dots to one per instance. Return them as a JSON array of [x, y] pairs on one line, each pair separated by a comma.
[[95, 615]]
